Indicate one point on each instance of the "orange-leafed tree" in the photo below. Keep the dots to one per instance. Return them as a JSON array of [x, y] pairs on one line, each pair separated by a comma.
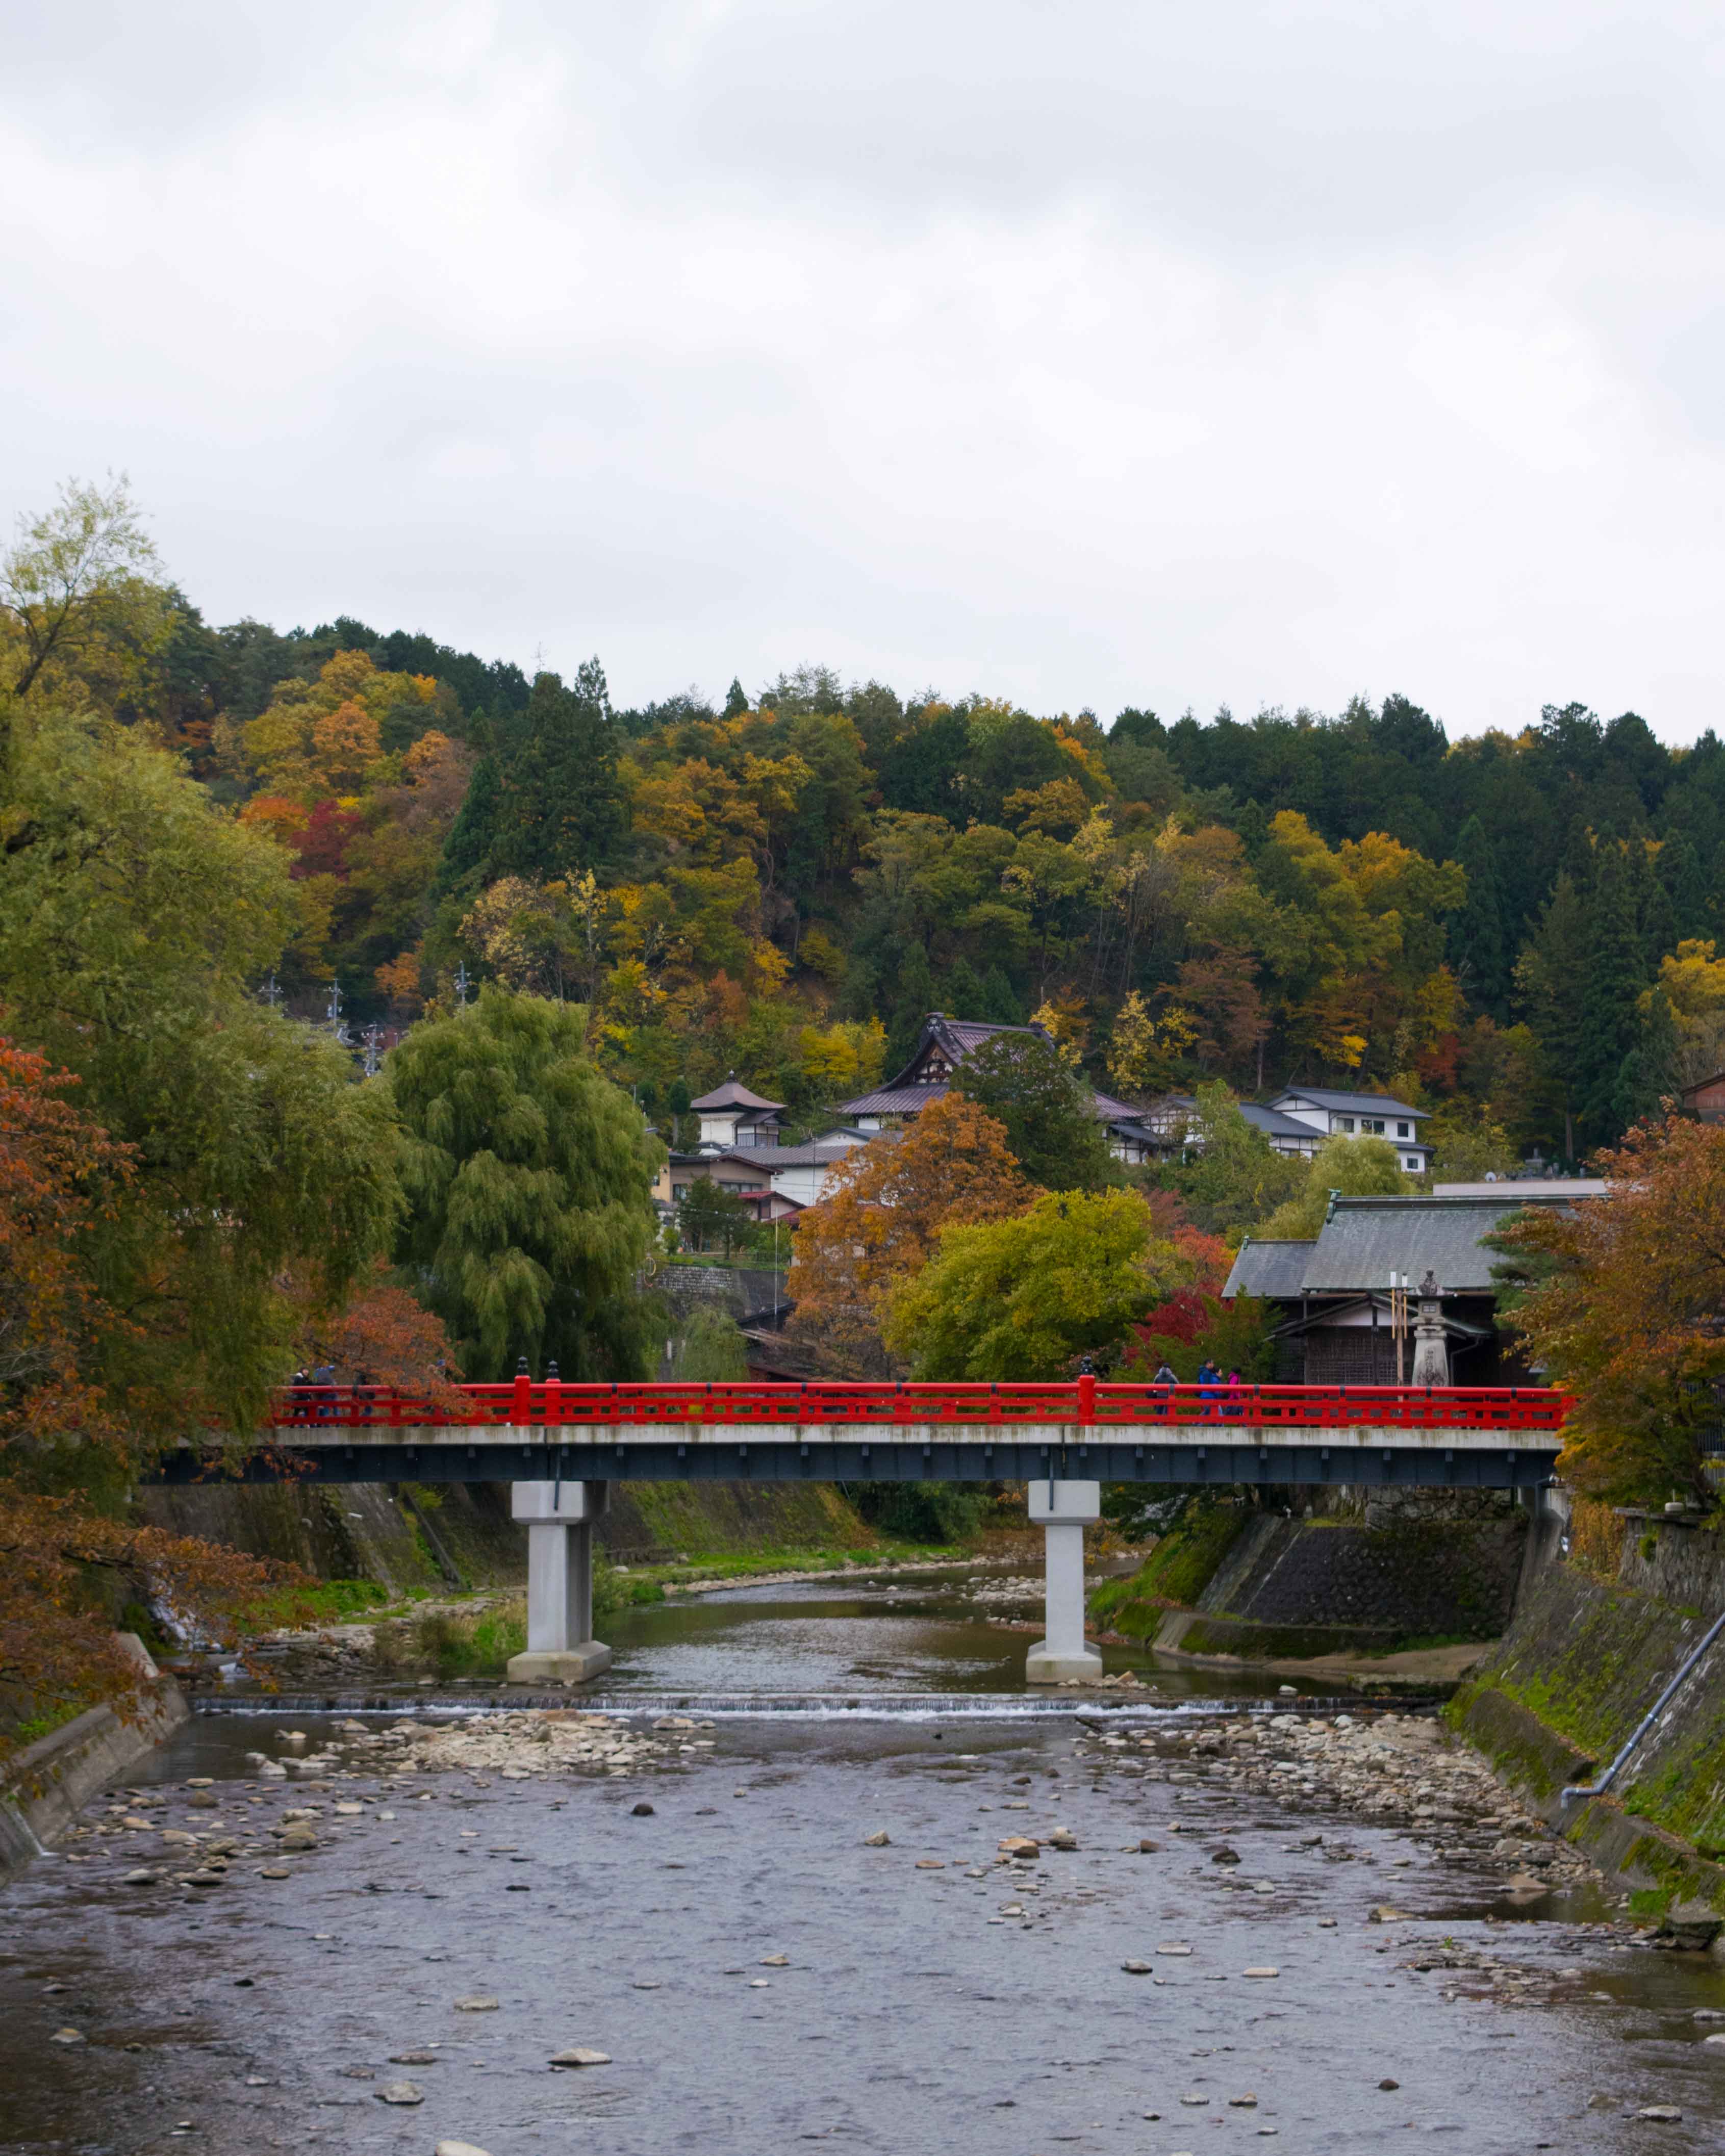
[[58, 1171], [880, 1220], [65, 1448], [1622, 1302], [77, 1386], [379, 1336]]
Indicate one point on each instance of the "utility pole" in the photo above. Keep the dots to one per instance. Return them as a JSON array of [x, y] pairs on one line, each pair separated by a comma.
[[461, 985], [269, 993], [373, 1039], [1398, 1319], [338, 1024]]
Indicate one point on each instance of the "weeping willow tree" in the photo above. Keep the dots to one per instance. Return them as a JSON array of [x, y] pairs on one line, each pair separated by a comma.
[[528, 1178]]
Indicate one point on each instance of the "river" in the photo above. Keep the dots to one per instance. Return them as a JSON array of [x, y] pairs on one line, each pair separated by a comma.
[[759, 1976]]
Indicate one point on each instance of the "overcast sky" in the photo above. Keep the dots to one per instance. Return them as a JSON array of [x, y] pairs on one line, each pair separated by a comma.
[[1080, 352]]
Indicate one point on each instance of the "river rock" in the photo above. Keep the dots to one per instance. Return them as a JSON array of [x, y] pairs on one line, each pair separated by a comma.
[[141, 1878], [1019, 1846], [1173, 1946], [400, 2092], [1689, 1924], [457, 2148], [579, 2054], [930, 1864], [1387, 1913], [275, 1872], [412, 2058], [479, 2002], [1148, 1848], [299, 1836], [1266, 1970], [1242, 2104], [775, 1961], [1136, 1967], [1063, 1837], [67, 2036], [641, 1810], [1665, 2114], [879, 1839], [1225, 1855]]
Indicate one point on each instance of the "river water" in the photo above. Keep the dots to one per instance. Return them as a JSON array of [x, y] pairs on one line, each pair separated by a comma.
[[760, 1978]]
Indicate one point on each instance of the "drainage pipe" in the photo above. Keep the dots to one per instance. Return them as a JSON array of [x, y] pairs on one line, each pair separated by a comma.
[[1599, 1788]]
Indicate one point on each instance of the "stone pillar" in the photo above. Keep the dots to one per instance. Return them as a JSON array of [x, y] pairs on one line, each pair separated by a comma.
[[1063, 1511], [559, 1518], [1431, 1351]]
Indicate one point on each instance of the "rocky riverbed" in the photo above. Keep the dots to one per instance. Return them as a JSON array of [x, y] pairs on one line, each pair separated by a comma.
[[1107, 1929]]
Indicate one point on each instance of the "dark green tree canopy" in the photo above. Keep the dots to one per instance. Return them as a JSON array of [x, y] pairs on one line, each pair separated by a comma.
[[1052, 1125], [544, 801], [529, 1180]]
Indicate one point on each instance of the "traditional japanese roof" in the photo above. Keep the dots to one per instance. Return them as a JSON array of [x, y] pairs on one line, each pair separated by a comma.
[[1366, 1240], [1276, 1125], [732, 1094], [769, 1159], [1348, 1104], [1269, 1266], [906, 1095]]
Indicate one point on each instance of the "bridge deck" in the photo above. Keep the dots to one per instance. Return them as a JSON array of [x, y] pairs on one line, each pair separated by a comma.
[[1089, 1431]]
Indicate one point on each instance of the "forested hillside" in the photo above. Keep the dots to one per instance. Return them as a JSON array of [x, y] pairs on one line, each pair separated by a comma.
[[1519, 929]]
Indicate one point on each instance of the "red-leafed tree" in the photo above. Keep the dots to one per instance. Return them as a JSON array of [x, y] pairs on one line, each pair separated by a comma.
[[66, 1450]]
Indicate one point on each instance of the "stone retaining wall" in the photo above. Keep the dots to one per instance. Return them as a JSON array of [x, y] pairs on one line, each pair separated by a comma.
[[44, 1788], [1584, 1660], [1386, 1570]]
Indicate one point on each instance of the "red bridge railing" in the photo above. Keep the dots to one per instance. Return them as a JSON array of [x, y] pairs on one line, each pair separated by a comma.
[[1088, 1401]]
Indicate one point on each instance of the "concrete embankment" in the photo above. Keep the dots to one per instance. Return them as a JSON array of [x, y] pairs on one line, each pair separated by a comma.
[[1377, 1574], [433, 1539], [1592, 1646], [43, 1787]]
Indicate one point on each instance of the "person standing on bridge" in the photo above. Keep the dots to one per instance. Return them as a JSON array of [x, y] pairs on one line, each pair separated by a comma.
[[1164, 1376], [1210, 1383]]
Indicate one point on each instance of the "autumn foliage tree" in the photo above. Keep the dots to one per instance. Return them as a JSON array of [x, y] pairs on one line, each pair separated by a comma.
[[884, 1211], [1622, 1302], [67, 1561], [1023, 1298]]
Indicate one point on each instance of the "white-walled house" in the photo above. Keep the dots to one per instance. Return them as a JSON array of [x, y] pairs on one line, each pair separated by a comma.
[[732, 1116], [1357, 1116]]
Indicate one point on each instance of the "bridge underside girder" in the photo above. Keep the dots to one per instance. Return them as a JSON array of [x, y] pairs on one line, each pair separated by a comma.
[[847, 1460]]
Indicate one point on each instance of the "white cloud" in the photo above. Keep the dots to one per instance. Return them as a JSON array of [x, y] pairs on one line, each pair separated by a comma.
[[1118, 354]]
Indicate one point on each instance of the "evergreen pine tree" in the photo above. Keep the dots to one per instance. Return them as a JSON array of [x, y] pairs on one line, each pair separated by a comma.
[[1650, 1073], [736, 702], [963, 991], [1686, 880], [911, 1003], [561, 807], [1655, 918], [1549, 976], [1001, 1002], [473, 837], [1477, 943], [1615, 975]]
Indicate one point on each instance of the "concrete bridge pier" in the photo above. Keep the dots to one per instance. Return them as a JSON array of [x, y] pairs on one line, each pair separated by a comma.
[[559, 1517], [1063, 1511]]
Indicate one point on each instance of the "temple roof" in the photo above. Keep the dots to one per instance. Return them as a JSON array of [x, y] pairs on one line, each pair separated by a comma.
[[732, 1094]]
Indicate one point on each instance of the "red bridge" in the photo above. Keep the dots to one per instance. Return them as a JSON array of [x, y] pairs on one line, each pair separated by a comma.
[[537, 1431], [1086, 1403], [561, 1445]]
